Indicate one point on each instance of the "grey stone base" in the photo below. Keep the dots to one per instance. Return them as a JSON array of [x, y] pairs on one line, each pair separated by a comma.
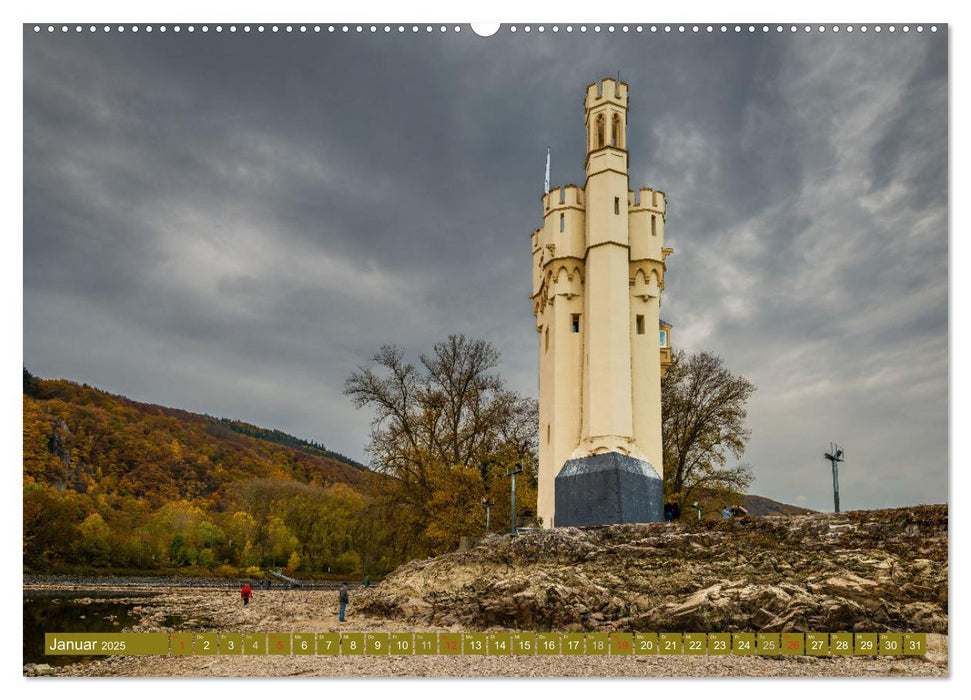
[[606, 489]]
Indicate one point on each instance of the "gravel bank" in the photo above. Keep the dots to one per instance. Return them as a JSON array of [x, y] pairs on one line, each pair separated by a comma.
[[459, 666]]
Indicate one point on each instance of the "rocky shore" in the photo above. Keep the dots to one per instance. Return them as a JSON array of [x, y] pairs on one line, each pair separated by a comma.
[[883, 570]]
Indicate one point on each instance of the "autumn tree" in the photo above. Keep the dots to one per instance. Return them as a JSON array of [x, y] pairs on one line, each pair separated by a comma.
[[93, 543], [435, 424], [280, 541], [703, 410]]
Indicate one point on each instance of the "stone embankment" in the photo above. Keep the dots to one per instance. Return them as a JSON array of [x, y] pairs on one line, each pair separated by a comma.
[[883, 570]]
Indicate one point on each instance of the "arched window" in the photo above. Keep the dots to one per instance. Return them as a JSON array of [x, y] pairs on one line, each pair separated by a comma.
[[615, 131], [562, 223], [600, 132]]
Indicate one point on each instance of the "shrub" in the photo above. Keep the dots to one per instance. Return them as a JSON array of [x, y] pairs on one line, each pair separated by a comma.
[[226, 571]]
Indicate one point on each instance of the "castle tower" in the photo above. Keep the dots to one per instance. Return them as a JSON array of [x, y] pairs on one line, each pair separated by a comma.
[[598, 271]]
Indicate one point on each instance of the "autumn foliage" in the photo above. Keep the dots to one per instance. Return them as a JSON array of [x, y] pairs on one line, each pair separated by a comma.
[[110, 482]]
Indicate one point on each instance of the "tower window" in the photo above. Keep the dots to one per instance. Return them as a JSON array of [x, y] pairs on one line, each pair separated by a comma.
[[640, 324], [616, 205], [562, 223], [600, 132], [547, 432], [547, 336], [664, 339], [615, 131], [576, 323], [653, 224]]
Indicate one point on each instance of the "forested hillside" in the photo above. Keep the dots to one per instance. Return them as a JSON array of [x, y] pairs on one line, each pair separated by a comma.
[[110, 482]]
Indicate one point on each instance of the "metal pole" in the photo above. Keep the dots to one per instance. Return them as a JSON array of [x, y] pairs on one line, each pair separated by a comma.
[[836, 485], [487, 504], [513, 482], [512, 485], [835, 456]]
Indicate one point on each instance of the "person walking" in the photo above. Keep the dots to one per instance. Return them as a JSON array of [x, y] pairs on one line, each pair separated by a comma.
[[246, 593], [342, 599]]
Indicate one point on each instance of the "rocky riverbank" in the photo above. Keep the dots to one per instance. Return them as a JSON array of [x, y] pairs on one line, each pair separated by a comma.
[[882, 570]]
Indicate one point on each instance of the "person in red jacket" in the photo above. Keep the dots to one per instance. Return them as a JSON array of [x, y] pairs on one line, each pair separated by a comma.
[[246, 593]]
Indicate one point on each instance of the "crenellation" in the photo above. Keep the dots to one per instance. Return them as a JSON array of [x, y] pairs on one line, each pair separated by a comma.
[[568, 196], [608, 90], [649, 198]]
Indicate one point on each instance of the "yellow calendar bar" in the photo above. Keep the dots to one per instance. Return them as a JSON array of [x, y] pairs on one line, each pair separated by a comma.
[[106, 643], [488, 643]]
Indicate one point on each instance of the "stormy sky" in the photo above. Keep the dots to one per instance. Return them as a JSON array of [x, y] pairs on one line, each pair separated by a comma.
[[230, 223]]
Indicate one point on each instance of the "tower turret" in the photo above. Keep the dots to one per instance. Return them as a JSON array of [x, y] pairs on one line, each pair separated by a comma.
[[607, 408]]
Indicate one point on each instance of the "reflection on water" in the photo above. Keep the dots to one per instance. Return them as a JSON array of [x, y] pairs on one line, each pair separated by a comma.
[[52, 611]]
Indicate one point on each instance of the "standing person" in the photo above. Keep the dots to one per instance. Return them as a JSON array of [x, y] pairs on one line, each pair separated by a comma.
[[246, 593], [726, 513], [342, 599]]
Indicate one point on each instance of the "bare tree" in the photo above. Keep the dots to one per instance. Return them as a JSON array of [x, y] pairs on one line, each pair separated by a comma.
[[454, 407], [703, 421], [452, 410]]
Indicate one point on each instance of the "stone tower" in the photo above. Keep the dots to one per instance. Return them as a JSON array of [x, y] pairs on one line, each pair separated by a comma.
[[598, 272]]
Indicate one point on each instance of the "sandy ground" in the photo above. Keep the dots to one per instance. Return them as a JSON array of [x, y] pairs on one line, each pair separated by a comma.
[[207, 610]]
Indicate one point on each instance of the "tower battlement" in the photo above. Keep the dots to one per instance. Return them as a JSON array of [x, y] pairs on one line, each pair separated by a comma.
[[606, 91], [647, 198], [560, 197]]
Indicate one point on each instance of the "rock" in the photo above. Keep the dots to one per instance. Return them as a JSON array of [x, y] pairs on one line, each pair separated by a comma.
[[38, 670]]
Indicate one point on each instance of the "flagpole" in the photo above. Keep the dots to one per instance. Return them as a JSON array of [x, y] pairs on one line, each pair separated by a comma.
[[546, 185]]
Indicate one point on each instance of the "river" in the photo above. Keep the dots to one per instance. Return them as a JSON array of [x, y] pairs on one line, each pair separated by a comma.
[[77, 611]]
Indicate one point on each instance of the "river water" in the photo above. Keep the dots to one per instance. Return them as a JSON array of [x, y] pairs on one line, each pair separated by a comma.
[[62, 611]]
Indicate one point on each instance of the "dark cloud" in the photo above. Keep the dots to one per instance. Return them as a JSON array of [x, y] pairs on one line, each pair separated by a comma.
[[230, 223]]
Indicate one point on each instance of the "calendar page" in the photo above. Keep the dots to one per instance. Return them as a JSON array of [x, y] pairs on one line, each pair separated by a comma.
[[547, 349]]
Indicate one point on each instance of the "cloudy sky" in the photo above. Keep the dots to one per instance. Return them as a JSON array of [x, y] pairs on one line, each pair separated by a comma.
[[230, 223]]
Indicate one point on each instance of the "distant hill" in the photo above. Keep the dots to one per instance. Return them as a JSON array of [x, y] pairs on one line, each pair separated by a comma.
[[78, 437], [760, 505], [713, 502], [281, 438]]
